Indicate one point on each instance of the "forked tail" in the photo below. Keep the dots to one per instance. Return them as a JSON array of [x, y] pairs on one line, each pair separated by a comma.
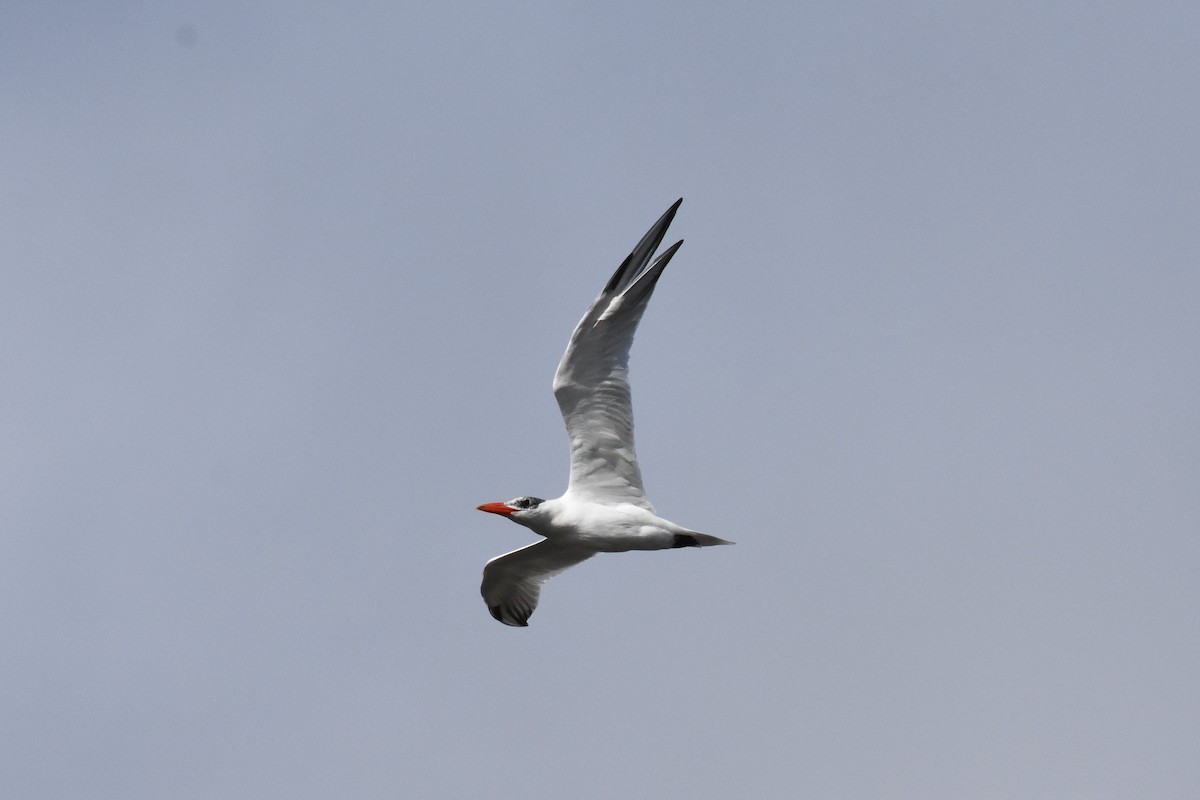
[[695, 539]]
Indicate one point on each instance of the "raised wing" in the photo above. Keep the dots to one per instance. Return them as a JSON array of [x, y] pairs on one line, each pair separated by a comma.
[[513, 581], [592, 381]]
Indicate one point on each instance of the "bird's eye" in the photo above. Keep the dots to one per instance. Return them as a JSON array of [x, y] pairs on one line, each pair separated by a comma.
[[526, 502]]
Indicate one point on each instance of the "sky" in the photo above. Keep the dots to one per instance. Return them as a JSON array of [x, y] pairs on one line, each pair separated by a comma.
[[284, 287]]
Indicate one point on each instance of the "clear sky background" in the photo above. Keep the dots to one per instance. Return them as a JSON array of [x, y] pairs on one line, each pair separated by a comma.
[[284, 286]]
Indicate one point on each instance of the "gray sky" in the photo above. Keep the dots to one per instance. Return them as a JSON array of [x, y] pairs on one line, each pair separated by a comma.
[[284, 288]]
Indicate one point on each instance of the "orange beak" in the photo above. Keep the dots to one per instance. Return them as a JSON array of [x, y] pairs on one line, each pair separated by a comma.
[[495, 508]]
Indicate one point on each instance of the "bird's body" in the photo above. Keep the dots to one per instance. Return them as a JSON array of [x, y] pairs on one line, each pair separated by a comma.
[[604, 528], [604, 509]]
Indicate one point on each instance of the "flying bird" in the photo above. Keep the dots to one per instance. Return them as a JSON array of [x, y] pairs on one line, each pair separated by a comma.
[[604, 509]]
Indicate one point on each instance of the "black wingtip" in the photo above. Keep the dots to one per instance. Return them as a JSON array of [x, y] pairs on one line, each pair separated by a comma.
[[498, 614], [641, 254]]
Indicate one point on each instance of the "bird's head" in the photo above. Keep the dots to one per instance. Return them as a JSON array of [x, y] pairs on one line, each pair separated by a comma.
[[519, 510]]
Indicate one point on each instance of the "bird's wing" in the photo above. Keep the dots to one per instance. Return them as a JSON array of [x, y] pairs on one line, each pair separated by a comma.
[[513, 581], [592, 381]]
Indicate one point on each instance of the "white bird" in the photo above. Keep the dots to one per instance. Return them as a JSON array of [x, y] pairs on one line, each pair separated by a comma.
[[604, 509]]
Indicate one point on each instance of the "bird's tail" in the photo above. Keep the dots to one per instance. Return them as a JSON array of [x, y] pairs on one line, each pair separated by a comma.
[[696, 539]]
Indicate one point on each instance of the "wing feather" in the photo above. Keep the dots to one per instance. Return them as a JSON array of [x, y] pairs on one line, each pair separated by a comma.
[[512, 582], [592, 381]]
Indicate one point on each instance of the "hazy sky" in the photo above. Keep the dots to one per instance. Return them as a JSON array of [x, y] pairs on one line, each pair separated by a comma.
[[284, 287]]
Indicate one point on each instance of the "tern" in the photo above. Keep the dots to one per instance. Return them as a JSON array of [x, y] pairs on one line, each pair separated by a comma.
[[604, 509]]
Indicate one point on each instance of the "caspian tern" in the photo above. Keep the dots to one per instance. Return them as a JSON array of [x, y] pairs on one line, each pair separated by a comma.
[[604, 509]]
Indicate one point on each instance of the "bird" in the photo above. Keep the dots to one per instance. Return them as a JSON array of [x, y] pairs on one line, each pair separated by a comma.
[[604, 509]]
